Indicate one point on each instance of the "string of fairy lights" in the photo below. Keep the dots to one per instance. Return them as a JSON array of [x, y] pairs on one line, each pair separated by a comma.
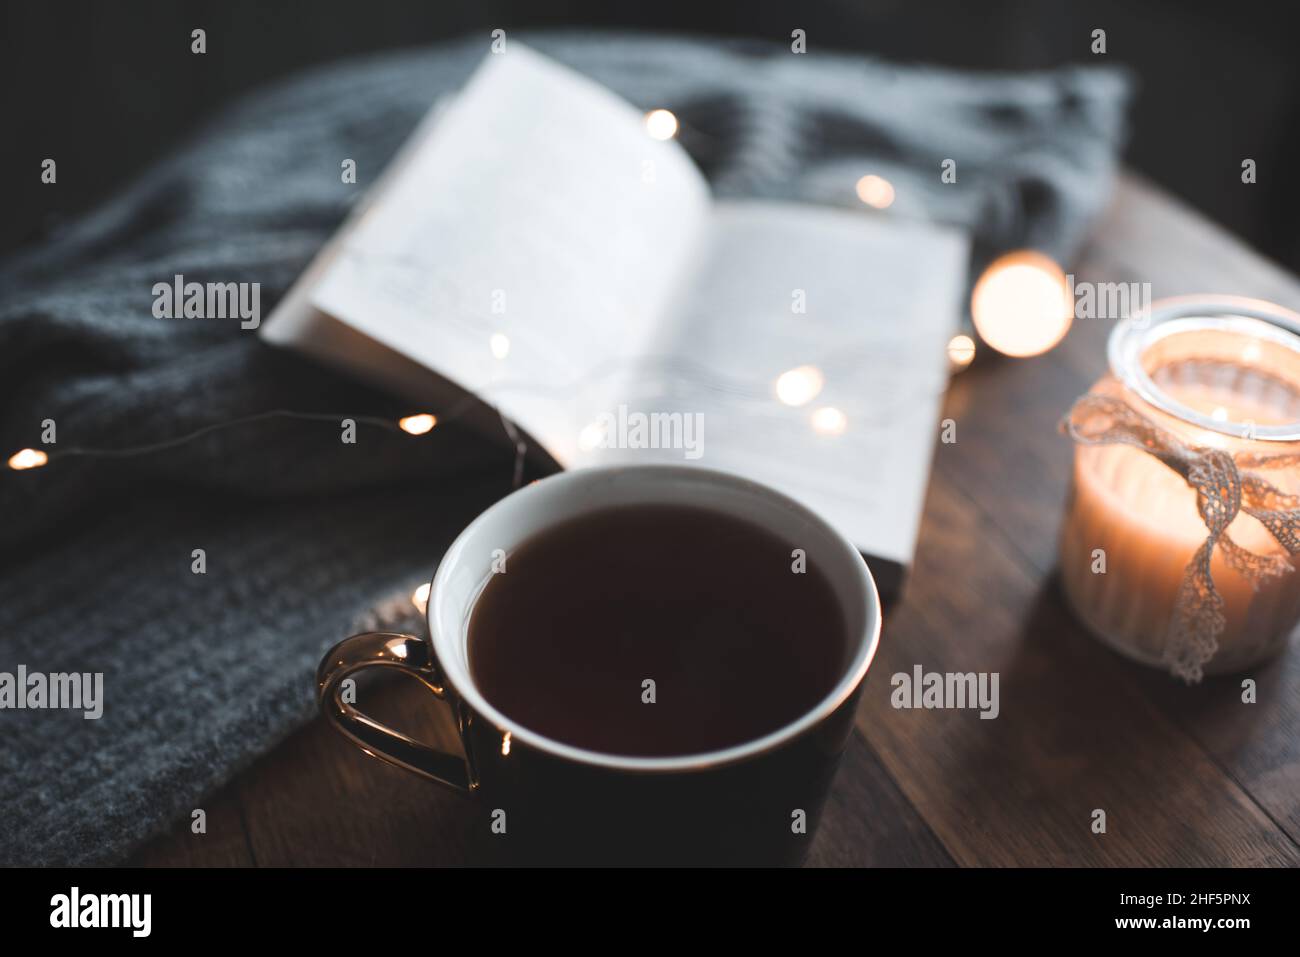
[[414, 424], [1020, 307]]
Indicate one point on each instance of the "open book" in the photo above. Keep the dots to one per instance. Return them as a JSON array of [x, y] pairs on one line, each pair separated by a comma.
[[533, 245]]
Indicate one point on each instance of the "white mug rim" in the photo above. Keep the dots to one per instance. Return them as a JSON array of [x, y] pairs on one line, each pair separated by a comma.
[[456, 674]]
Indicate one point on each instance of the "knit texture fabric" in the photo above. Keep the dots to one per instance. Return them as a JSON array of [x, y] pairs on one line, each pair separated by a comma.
[[303, 535]]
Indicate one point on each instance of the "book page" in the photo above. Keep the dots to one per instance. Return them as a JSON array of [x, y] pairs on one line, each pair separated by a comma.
[[529, 242], [863, 307]]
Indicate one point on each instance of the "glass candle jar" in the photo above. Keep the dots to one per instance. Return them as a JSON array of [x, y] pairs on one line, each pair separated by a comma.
[[1203, 376]]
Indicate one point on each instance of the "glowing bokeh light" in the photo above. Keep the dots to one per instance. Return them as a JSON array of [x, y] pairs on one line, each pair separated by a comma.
[[27, 459], [961, 351], [800, 385], [829, 421], [591, 437], [876, 191], [661, 124], [417, 424], [1021, 305]]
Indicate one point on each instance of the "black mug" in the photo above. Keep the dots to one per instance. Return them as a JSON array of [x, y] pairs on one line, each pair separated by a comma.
[[549, 802]]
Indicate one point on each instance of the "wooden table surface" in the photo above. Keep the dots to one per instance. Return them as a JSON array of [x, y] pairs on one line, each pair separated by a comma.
[[1186, 776]]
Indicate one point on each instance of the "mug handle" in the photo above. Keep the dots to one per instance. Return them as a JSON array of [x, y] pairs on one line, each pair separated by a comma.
[[382, 649]]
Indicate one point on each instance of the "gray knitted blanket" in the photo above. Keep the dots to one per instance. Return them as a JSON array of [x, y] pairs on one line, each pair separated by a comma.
[[304, 537]]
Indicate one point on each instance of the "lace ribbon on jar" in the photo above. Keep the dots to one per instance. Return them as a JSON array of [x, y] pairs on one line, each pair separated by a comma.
[[1225, 484]]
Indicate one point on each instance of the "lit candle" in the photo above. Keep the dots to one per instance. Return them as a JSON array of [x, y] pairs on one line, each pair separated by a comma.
[[1132, 525]]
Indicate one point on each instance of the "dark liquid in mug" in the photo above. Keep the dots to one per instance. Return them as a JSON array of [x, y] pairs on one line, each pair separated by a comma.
[[704, 605]]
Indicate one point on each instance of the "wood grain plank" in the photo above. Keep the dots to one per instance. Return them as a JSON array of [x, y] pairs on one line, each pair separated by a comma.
[[225, 843], [1016, 470], [1154, 238], [869, 823], [1073, 735]]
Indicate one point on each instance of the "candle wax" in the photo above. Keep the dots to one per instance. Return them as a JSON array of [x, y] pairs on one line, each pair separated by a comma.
[[1144, 518]]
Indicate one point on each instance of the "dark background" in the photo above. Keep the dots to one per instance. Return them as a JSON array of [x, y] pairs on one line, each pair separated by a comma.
[[104, 88]]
